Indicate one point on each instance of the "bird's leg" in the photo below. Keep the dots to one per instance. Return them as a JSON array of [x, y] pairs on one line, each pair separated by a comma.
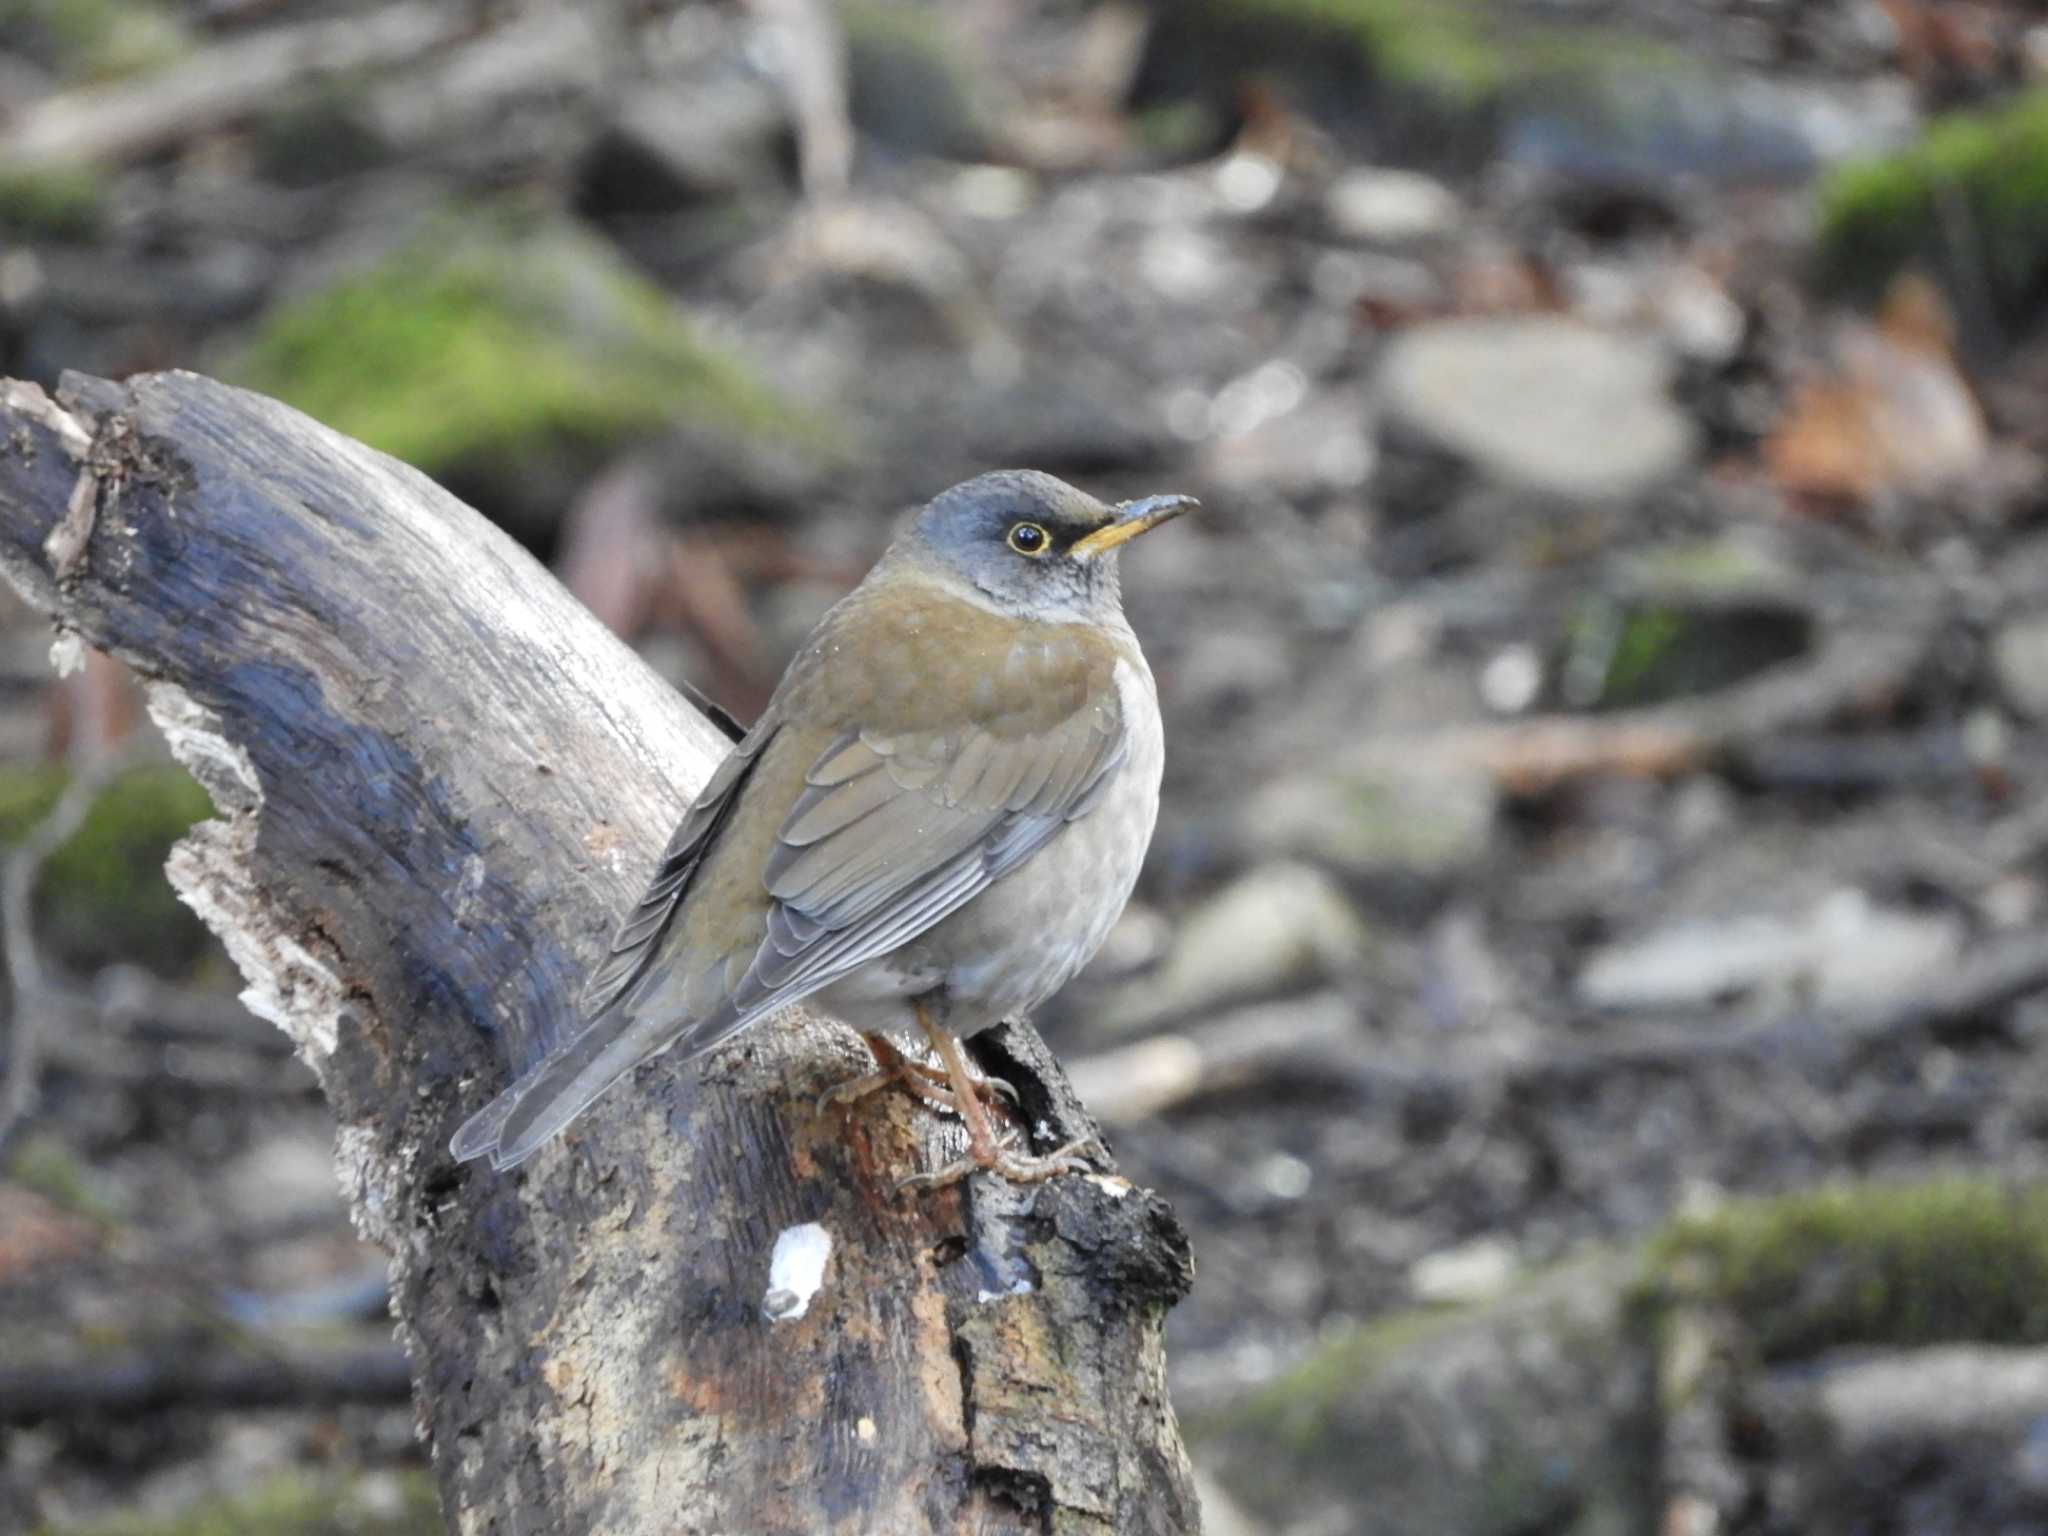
[[929, 1083], [892, 1068], [985, 1149]]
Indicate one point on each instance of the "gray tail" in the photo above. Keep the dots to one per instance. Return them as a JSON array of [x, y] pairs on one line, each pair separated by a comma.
[[537, 1108]]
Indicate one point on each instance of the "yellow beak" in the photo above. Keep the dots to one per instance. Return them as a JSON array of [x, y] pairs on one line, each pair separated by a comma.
[[1131, 518]]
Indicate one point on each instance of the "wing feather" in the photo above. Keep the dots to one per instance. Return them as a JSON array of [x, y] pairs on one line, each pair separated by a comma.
[[940, 821], [638, 937]]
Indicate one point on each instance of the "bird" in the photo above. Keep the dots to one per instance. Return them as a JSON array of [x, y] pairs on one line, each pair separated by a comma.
[[930, 829]]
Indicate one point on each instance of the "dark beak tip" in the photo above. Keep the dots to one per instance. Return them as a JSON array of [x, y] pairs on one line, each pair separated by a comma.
[[1170, 505]]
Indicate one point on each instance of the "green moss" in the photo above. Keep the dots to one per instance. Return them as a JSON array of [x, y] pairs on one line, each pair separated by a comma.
[[86, 41], [103, 896], [28, 793], [52, 202], [1441, 45], [1970, 199], [1649, 636], [294, 1504], [1462, 51], [1674, 642], [1953, 1259], [1175, 129], [1300, 1410], [496, 344]]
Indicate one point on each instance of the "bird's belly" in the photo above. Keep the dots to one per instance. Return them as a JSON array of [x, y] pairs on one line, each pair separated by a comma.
[[1022, 939]]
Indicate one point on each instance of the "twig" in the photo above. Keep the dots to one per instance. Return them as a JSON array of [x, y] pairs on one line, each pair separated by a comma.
[[113, 123], [31, 991], [811, 49]]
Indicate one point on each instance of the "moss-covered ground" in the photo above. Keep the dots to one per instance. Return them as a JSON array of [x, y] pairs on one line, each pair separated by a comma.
[[492, 342], [1968, 200], [1960, 1259]]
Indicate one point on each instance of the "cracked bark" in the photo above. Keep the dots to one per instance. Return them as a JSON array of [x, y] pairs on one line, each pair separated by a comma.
[[438, 780]]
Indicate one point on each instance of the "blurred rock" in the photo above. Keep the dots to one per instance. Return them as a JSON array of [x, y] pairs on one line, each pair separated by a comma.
[[675, 146], [1648, 121], [1081, 417], [1475, 1272], [2019, 660], [1374, 817], [1391, 207], [1858, 1358], [1541, 403], [1954, 1259], [1221, 1515], [910, 85], [1518, 1416], [1950, 1437], [1278, 929], [284, 1179], [1845, 952]]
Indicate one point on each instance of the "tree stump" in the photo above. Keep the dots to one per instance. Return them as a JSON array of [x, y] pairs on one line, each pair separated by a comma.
[[438, 783]]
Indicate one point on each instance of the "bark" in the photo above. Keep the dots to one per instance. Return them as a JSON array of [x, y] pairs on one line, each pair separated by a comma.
[[438, 781]]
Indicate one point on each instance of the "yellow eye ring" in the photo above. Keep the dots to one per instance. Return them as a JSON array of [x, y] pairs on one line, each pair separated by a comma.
[[1030, 539]]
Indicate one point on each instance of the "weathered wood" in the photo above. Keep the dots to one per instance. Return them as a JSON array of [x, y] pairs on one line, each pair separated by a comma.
[[438, 781]]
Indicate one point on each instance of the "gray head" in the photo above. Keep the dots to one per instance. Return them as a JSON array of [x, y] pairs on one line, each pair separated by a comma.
[[1033, 545]]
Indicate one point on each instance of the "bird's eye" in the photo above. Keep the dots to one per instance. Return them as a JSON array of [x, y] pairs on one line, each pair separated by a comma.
[[1029, 539]]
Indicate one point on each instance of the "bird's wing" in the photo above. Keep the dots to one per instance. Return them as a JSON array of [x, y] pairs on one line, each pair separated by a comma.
[[894, 832], [638, 937], [539, 1096]]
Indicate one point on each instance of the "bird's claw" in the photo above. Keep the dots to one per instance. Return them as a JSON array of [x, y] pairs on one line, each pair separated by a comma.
[[856, 1089], [1017, 1167], [921, 1080]]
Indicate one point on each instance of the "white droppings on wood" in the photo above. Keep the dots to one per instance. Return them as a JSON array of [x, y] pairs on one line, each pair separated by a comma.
[[795, 1271], [1017, 1287], [67, 653]]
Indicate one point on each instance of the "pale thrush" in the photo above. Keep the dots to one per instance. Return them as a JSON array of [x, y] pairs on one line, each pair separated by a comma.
[[933, 824]]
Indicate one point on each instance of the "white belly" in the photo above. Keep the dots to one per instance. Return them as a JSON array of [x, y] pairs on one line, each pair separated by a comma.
[[1021, 940]]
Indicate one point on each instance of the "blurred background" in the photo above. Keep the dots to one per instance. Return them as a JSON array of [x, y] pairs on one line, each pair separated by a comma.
[[1585, 998]]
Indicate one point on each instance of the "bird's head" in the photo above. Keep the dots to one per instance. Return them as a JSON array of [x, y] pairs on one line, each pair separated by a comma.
[[1032, 545]]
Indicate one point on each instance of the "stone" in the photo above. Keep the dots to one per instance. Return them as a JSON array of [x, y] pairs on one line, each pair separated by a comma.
[[1843, 952], [1370, 816], [1391, 207], [1519, 1415], [2019, 660], [666, 149], [1280, 928], [1479, 1271], [1540, 403], [1951, 1437]]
